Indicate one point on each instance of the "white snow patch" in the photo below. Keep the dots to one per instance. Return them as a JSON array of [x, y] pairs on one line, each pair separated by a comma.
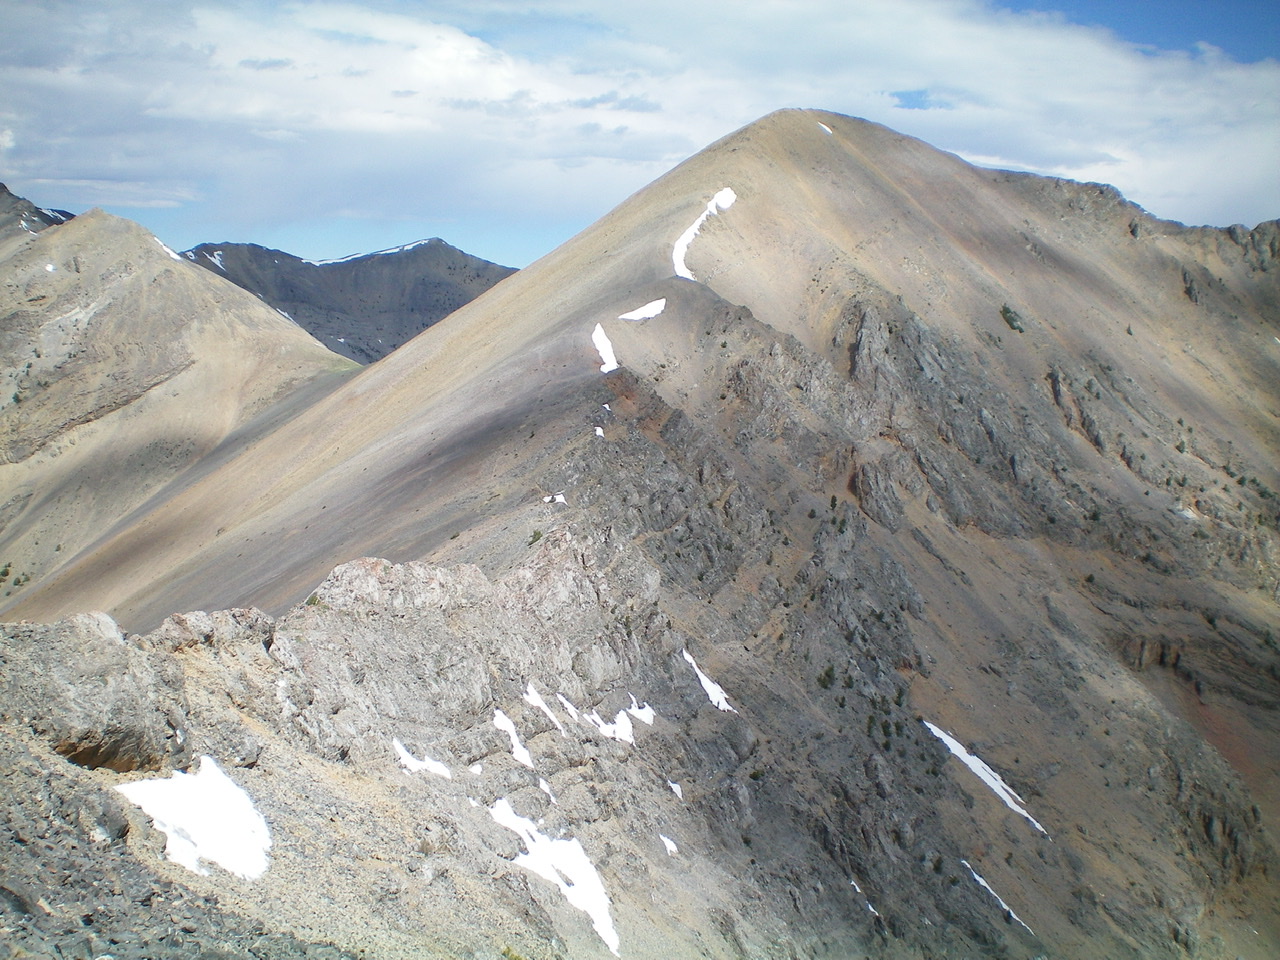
[[546, 788], [216, 259], [670, 844], [53, 215], [564, 863], [342, 339], [620, 729], [518, 750], [599, 431], [986, 775], [285, 315], [644, 714], [476, 768], [555, 498], [50, 267], [723, 200], [675, 788], [610, 409], [412, 764], [377, 253], [986, 886], [854, 883], [569, 707], [604, 347], [1188, 513], [167, 250], [206, 816], [647, 312], [715, 692], [825, 127], [534, 699]]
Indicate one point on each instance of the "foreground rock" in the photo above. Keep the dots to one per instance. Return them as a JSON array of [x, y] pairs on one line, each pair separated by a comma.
[[390, 729]]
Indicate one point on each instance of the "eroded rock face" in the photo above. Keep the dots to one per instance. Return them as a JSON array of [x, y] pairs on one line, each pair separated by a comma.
[[381, 727], [96, 699]]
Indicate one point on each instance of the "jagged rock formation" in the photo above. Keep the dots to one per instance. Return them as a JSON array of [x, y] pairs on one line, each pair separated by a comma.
[[930, 468], [361, 307]]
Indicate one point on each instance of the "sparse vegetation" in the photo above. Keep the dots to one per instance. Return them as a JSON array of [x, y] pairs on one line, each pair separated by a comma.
[[537, 535], [1012, 318]]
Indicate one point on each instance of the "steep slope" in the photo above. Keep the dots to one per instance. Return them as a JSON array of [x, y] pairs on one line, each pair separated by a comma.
[[929, 467], [362, 307], [20, 218], [121, 366]]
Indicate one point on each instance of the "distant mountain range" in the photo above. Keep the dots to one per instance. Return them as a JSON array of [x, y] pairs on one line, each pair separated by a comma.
[[363, 306], [837, 550]]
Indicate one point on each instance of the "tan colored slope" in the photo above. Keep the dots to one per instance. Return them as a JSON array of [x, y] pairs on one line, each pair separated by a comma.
[[425, 443], [122, 367]]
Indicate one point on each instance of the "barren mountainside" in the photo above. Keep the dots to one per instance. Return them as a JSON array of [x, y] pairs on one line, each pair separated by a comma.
[[361, 307], [837, 550]]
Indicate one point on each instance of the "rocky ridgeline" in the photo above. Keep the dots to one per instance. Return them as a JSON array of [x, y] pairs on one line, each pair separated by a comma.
[[821, 777]]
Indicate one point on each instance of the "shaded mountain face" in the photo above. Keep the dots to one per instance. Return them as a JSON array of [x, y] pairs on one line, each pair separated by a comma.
[[836, 550], [21, 218], [361, 307]]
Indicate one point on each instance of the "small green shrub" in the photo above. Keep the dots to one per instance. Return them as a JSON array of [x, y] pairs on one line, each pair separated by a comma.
[[1012, 318]]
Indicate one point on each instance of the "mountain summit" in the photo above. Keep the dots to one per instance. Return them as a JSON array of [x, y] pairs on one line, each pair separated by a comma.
[[836, 550]]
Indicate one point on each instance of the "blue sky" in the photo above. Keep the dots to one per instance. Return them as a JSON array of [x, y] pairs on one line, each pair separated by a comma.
[[505, 126]]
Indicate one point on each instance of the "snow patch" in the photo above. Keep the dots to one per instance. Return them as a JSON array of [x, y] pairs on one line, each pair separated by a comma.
[[50, 267], [620, 729], [675, 788], [534, 699], [599, 431], [216, 259], [715, 692], [476, 768], [825, 128], [670, 844], [986, 886], [412, 764], [854, 883], [555, 498], [569, 707], [608, 360], [206, 816], [986, 775], [723, 200], [647, 312], [564, 863], [167, 250], [518, 750], [644, 714], [403, 248], [546, 788]]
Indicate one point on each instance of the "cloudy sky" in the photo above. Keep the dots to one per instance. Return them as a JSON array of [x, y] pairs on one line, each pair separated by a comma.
[[328, 128]]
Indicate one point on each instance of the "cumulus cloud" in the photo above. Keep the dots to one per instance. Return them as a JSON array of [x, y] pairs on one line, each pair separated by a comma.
[[509, 125]]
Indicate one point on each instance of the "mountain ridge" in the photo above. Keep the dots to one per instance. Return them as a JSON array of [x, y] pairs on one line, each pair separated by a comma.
[[925, 464]]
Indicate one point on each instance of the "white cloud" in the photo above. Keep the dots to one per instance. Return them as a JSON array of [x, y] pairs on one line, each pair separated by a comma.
[[485, 122]]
